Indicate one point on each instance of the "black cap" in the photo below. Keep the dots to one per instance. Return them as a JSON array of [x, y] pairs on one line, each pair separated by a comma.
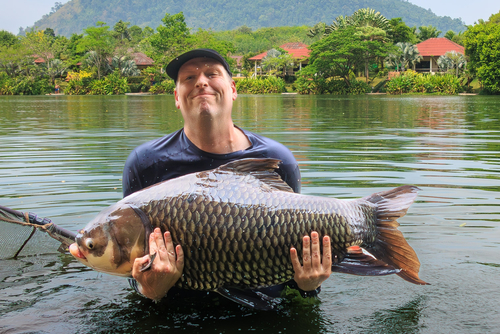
[[174, 66]]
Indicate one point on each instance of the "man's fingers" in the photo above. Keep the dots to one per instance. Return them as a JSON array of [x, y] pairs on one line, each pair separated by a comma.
[[315, 251], [153, 241], [169, 244], [180, 257], [297, 267], [306, 252], [327, 254]]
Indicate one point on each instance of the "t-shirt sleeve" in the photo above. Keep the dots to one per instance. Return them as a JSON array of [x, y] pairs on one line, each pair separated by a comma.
[[130, 179]]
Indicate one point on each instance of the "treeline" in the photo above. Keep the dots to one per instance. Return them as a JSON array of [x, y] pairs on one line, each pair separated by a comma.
[[368, 43], [76, 15], [99, 61]]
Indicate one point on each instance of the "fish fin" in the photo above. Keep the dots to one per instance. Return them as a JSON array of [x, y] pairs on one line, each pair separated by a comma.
[[358, 261], [262, 169], [250, 298], [390, 245], [148, 265]]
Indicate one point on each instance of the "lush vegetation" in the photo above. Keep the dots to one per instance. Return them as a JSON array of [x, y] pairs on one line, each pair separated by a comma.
[[482, 46], [412, 82], [76, 15], [345, 57], [261, 85]]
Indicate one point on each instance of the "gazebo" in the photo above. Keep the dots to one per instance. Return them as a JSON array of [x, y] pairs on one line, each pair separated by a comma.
[[432, 49]]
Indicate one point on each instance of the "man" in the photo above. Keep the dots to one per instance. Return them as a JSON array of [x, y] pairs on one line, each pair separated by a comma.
[[205, 93]]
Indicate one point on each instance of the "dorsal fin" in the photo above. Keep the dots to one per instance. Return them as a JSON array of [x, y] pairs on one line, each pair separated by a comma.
[[262, 169]]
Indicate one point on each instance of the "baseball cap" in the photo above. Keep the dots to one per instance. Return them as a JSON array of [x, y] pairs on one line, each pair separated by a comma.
[[174, 66]]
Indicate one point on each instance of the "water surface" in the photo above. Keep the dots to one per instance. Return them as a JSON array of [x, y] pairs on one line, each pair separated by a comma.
[[62, 157]]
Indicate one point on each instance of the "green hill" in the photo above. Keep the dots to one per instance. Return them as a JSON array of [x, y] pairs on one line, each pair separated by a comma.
[[76, 15]]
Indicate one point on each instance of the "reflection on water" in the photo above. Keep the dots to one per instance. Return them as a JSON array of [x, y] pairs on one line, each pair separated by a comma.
[[62, 157]]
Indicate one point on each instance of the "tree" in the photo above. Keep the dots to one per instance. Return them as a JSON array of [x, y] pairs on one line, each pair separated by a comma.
[[122, 31], [400, 32], [452, 60], [98, 39], [426, 32], [372, 28], [15, 59], [449, 34], [171, 39], [55, 68], [337, 54], [363, 17], [481, 46], [7, 38]]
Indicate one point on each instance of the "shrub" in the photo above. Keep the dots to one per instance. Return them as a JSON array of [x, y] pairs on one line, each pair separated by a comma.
[[259, 85], [413, 82], [24, 85], [81, 84], [164, 87]]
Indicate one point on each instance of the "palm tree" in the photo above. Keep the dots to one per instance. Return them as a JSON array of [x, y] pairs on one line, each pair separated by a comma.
[[55, 67], [363, 17], [450, 60], [409, 55]]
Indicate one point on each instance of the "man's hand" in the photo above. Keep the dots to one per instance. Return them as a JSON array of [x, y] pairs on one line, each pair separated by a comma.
[[166, 268], [315, 269]]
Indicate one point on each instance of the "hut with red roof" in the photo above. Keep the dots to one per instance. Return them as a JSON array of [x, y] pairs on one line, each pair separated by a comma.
[[298, 51], [432, 49]]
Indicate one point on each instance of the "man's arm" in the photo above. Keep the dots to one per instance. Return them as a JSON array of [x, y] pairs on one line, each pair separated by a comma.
[[166, 269]]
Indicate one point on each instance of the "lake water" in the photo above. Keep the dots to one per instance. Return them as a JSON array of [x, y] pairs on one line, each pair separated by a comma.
[[62, 158]]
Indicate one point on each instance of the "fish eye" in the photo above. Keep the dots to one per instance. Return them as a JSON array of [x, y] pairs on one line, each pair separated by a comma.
[[89, 243]]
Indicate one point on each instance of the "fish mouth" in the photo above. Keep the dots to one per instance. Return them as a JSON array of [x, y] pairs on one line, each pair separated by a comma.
[[76, 252]]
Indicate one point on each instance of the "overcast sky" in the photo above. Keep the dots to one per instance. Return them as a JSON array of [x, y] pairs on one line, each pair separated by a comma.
[[23, 13]]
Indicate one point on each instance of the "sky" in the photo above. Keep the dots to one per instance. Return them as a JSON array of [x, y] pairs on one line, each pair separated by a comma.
[[23, 13]]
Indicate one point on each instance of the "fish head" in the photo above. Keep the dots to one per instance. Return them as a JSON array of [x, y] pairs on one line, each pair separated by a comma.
[[113, 240]]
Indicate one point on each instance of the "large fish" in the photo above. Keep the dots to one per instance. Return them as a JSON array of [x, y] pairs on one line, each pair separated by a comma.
[[237, 223]]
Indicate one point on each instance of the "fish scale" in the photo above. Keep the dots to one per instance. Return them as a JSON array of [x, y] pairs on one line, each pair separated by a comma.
[[249, 243]]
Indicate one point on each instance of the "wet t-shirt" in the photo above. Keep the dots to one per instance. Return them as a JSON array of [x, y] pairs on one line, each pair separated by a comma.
[[175, 155]]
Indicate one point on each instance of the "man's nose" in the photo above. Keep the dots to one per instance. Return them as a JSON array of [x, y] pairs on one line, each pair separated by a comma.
[[201, 80]]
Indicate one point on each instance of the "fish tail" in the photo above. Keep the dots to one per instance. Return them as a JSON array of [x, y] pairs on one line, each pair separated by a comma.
[[390, 245]]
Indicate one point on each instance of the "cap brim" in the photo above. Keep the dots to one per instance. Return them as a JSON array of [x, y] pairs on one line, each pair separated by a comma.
[[175, 65]]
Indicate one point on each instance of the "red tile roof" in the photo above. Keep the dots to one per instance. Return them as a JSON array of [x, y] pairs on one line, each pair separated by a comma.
[[296, 50], [438, 47]]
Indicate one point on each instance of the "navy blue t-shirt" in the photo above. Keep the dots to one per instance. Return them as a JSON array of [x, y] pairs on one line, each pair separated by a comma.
[[175, 155]]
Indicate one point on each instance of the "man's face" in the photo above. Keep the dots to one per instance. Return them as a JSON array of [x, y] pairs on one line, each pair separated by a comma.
[[204, 88]]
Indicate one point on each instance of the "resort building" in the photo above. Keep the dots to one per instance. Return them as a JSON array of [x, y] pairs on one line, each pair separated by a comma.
[[432, 49]]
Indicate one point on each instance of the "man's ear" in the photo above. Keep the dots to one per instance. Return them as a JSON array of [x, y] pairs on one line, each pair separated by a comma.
[[233, 88], [177, 103]]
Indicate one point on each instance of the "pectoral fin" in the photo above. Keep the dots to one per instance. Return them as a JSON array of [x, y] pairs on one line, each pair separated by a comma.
[[148, 265], [250, 298], [360, 262]]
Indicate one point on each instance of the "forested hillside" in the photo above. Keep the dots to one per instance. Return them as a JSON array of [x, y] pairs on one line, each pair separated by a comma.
[[76, 15]]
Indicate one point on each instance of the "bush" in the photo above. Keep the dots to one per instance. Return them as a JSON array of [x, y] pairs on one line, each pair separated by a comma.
[[335, 86], [164, 87], [261, 85], [80, 83], [413, 82], [25, 85], [113, 84]]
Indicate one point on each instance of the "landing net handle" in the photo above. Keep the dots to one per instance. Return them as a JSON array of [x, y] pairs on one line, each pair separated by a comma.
[[22, 229]]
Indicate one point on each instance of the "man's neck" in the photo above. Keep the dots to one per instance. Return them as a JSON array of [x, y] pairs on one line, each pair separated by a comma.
[[218, 139]]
